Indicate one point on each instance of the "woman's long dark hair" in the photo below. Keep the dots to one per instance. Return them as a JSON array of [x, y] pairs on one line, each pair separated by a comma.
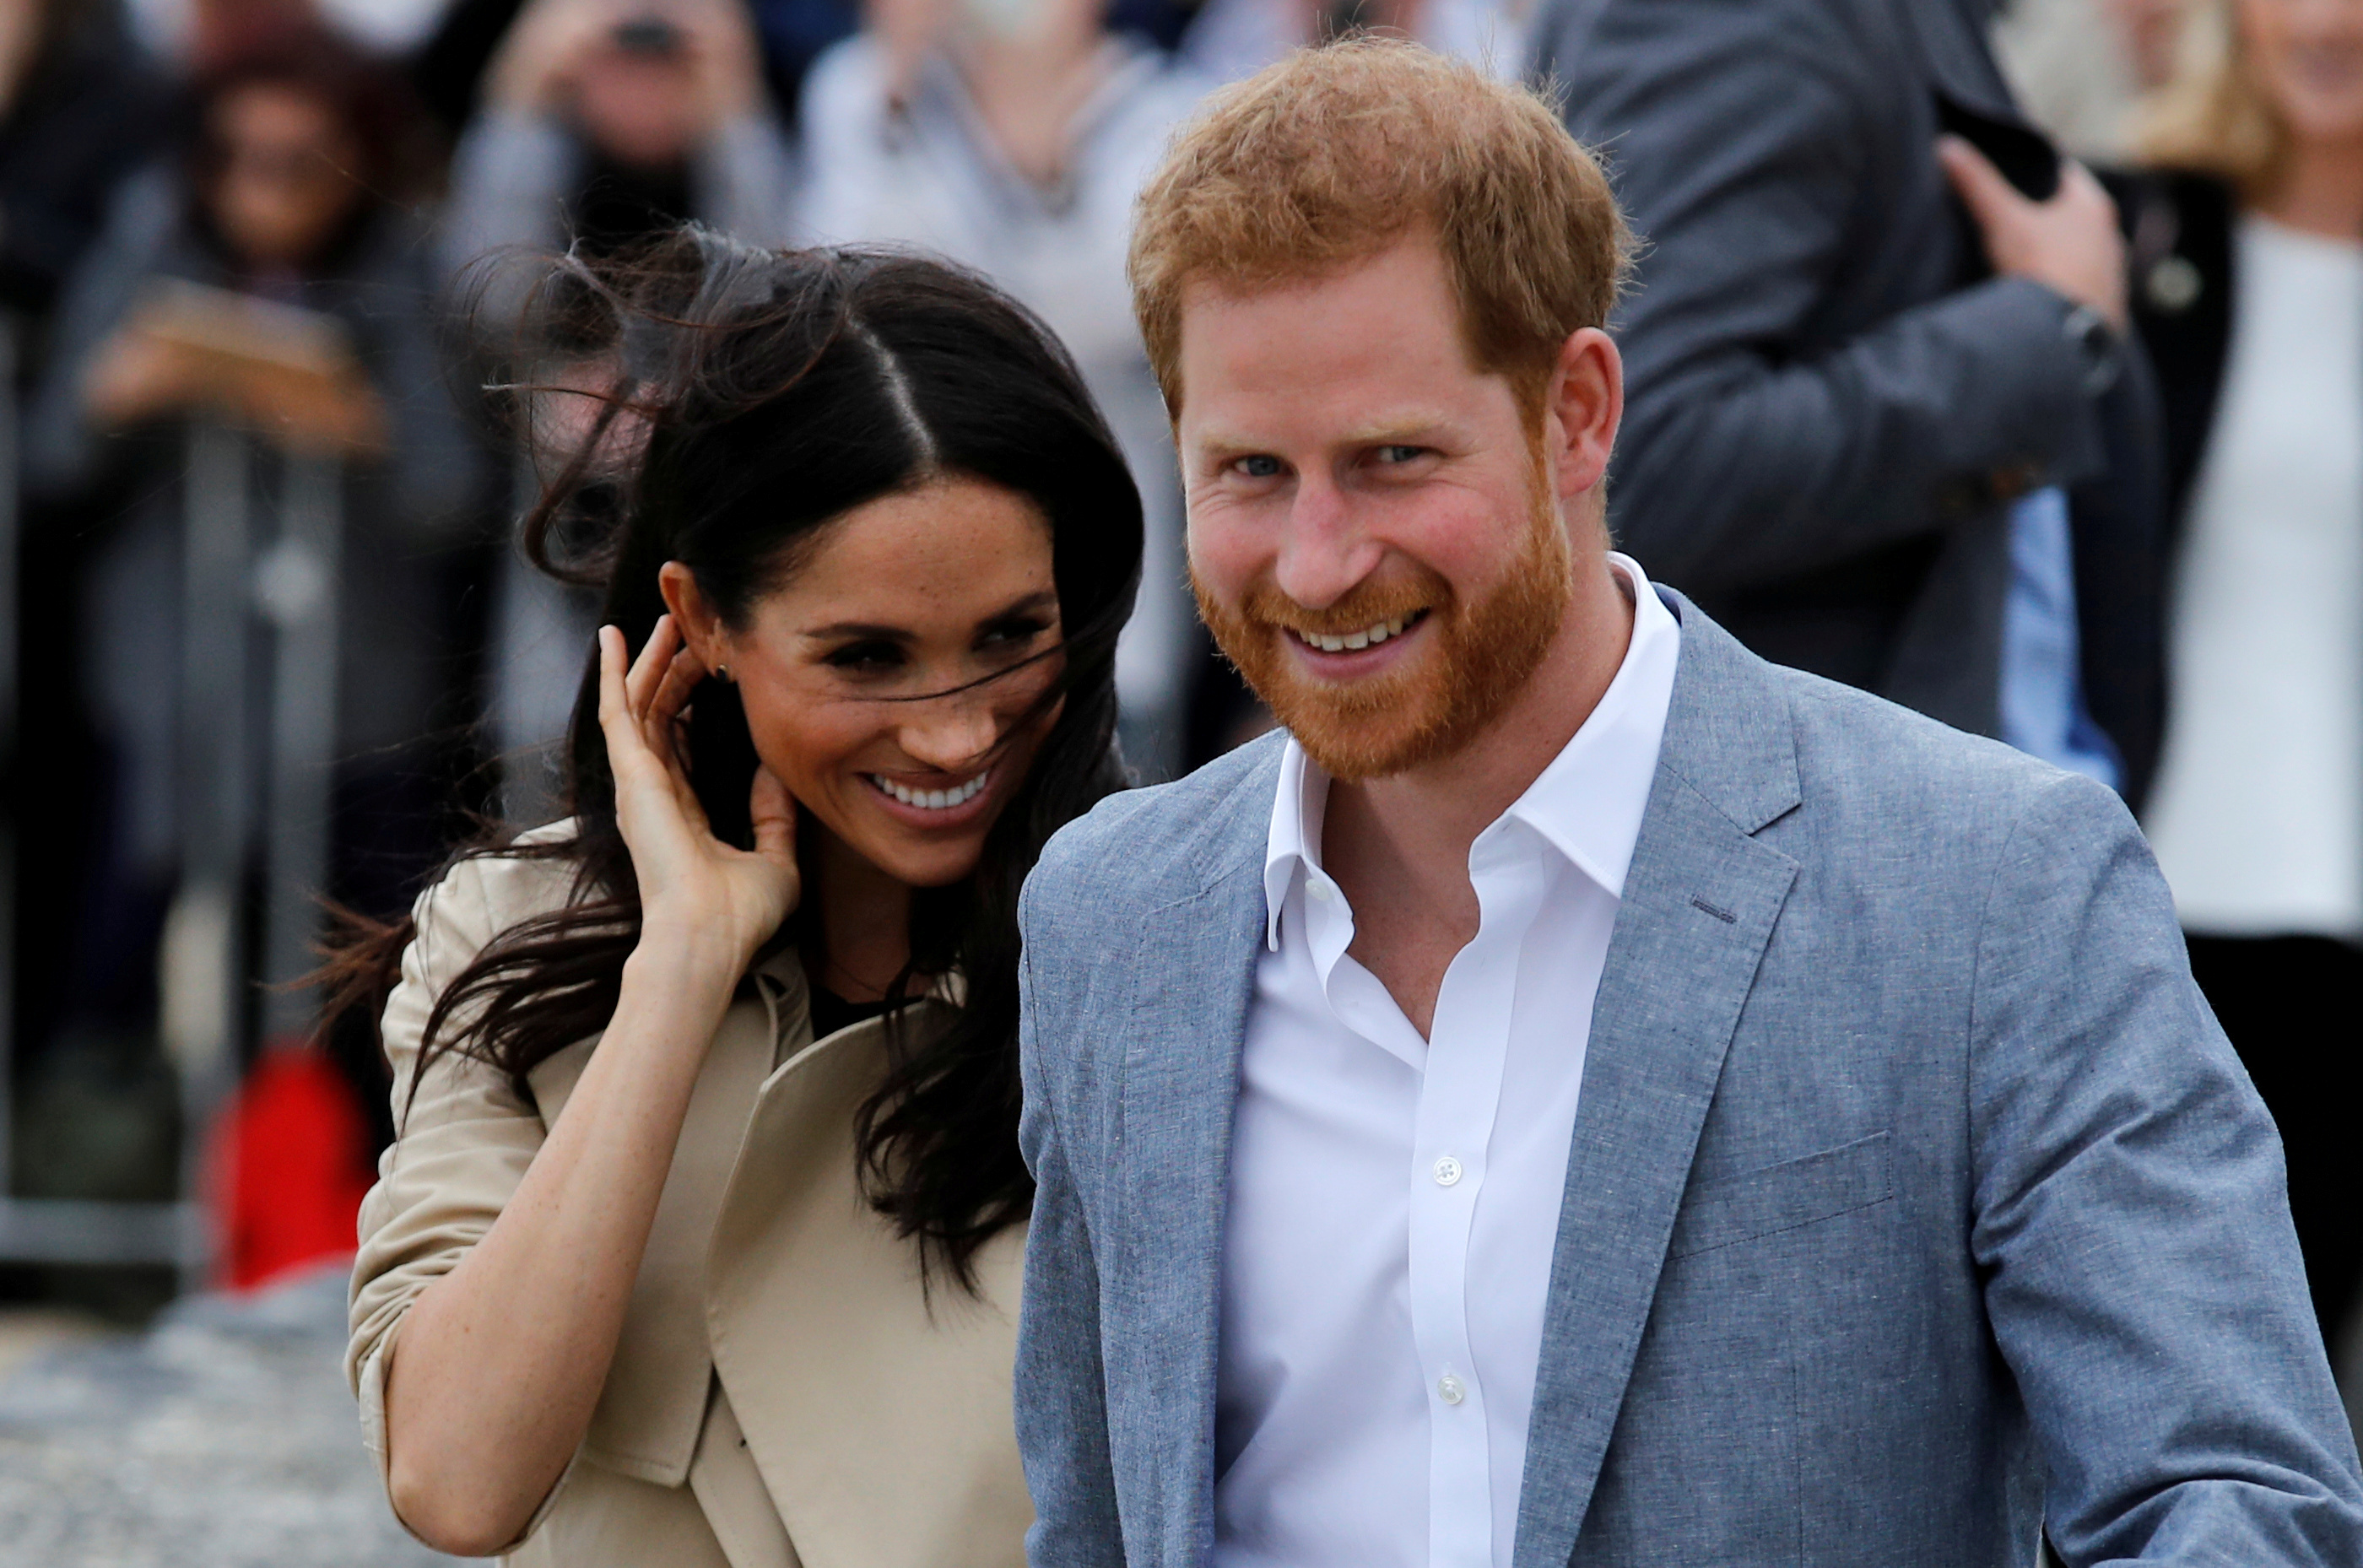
[[745, 399]]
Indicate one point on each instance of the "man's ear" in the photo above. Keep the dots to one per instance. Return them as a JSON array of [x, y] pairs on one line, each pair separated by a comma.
[[1585, 406], [701, 628]]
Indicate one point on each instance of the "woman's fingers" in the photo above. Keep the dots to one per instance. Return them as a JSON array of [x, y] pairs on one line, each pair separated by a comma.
[[615, 702], [649, 669], [681, 678], [773, 812]]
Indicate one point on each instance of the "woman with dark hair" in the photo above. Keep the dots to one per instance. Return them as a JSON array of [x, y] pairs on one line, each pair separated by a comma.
[[700, 1241]]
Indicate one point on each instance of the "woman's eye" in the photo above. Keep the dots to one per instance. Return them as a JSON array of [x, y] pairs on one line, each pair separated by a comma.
[[1009, 634], [864, 656], [1258, 467]]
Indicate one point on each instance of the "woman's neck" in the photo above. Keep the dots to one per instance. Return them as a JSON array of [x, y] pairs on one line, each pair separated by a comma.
[[865, 921], [2319, 190]]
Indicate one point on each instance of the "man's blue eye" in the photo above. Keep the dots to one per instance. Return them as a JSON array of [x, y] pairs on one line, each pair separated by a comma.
[[1401, 453], [1259, 467]]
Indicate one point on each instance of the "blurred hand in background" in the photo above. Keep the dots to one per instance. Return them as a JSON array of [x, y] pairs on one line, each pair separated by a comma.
[[2070, 244], [645, 82]]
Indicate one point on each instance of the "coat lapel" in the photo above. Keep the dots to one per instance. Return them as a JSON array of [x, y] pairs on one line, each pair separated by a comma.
[[875, 1410], [1700, 903], [1196, 967]]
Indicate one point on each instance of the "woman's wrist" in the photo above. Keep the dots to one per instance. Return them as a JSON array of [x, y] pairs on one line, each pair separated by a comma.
[[686, 958]]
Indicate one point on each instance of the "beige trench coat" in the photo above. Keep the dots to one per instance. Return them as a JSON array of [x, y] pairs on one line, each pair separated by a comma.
[[784, 1393]]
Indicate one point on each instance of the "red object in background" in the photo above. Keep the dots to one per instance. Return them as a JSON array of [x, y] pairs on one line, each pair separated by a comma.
[[290, 1163]]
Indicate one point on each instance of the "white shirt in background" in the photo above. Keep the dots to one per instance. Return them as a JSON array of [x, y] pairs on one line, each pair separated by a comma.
[[1394, 1201], [2257, 813]]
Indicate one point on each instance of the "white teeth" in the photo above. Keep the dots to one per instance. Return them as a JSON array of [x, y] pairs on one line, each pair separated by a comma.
[[1356, 640], [930, 799]]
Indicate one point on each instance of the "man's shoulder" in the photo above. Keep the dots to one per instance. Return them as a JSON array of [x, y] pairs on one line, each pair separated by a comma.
[[1879, 779], [1142, 848], [1582, 40]]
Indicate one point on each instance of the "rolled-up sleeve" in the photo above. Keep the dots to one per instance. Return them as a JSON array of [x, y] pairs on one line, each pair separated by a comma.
[[465, 1137]]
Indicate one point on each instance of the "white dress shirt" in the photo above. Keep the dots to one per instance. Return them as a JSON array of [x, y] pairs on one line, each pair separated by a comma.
[[1394, 1201]]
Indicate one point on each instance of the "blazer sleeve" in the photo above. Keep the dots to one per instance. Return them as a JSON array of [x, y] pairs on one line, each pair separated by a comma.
[[2131, 1223], [464, 1136], [1061, 1391], [1751, 147]]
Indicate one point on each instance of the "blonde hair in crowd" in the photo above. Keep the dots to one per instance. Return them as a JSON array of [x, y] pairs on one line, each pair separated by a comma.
[[2213, 117], [1331, 155]]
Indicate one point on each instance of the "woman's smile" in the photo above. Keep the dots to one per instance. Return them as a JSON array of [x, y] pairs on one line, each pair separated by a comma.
[[932, 801]]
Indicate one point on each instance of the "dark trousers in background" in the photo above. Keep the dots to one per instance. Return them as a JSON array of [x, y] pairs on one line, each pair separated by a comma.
[[2288, 1004]]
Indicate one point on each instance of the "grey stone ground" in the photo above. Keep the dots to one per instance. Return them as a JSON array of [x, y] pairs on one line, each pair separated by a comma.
[[222, 1438]]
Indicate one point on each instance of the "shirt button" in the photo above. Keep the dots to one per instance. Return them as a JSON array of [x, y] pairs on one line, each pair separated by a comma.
[[1450, 1389], [1447, 1171], [1320, 891]]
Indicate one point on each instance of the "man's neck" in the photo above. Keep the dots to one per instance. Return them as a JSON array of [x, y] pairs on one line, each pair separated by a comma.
[[1399, 846]]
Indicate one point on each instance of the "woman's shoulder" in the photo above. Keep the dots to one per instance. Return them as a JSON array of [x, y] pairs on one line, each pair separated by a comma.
[[488, 891]]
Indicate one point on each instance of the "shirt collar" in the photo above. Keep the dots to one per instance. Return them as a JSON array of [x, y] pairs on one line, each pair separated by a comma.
[[1588, 804]]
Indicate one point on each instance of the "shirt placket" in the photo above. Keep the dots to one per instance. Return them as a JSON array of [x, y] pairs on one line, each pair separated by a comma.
[[1459, 1095]]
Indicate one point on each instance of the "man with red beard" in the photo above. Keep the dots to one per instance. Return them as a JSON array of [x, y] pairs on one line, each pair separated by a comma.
[[1584, 1095]]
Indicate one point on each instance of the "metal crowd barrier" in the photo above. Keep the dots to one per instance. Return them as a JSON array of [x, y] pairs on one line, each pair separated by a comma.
[[236, 582]]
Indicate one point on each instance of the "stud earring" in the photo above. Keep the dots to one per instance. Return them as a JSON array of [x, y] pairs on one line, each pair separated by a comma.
[[721, 673]]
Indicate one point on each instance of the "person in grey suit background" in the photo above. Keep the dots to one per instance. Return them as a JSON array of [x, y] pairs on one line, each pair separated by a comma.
[[1885, 423], [1584, 1093]]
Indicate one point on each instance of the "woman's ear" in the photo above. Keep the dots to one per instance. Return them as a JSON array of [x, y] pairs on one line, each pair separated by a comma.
[[701, 628]]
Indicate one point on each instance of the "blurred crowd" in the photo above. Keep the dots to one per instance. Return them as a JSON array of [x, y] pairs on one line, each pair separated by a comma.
[[1883, 420], [276, 639]]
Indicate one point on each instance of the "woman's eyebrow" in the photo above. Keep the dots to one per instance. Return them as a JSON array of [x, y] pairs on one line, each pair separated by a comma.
[[1044, 599], [854, 628]]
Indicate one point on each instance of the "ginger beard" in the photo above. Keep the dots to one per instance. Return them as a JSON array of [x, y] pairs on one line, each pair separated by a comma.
[[1484, 653]]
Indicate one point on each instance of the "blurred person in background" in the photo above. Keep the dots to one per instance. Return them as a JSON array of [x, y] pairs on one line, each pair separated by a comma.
[[794, 34], [451, 66], [2246, 256], [79, 114], [1884, 423], [193, 37], [701, 1243], [1229, 39], [273, 226], [1011, 137], [605, 121], [2079, 66], [599, 123]]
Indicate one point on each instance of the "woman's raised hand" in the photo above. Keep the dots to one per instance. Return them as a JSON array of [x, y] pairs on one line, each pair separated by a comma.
[[694, 889]]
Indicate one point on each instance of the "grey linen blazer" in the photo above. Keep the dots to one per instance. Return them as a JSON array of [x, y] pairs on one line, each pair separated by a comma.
[[1915, 1198]]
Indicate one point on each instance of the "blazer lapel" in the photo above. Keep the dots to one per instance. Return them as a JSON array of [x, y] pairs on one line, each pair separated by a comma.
[[1196, 967], [1701, 900], [1960, 62]]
